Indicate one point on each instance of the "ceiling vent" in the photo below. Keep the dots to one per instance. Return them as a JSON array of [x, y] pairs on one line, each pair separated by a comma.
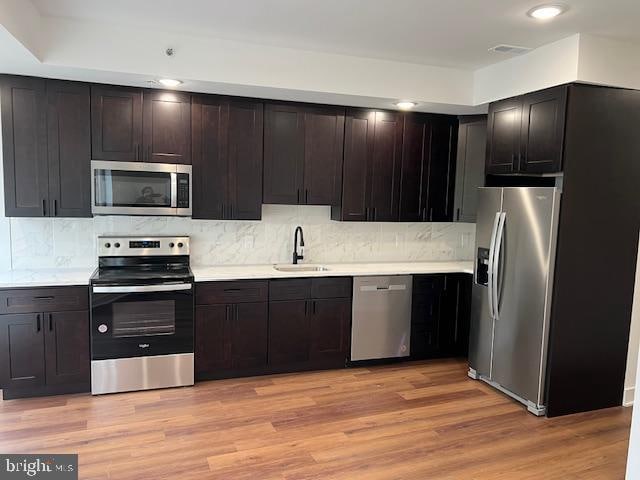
[[512, 49]]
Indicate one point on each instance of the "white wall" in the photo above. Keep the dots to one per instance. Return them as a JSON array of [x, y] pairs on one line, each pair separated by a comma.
[[609, 62], [549, 65], [633, 458], [630, 383]]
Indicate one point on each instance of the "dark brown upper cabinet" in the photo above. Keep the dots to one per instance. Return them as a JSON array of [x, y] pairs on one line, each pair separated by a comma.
[[542, 136], [472, 145], [371, 172], [442, 165], [69, 148], [227, 158], [427, 173], [130, 125], [414, 177], [24, 141], [302, 154], [116, 123], [526, 134], [503, 136], [166, 122], [46, 143]]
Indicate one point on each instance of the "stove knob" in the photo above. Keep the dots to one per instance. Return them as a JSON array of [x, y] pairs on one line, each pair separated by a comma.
[[117, 245], [107, 245], [180, 244], [171, 244], [102, 328]]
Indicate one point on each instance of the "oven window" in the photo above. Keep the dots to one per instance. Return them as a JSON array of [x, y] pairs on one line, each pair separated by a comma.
[[141, 319], [120, 188]]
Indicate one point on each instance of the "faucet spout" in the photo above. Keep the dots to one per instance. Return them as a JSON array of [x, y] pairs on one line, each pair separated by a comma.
[[298, 256]]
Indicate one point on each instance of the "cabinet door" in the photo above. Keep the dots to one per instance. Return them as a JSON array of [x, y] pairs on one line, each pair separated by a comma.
[[384, 183], [503, 136], [116, 123], [542, 137], [69, 148], [426, 306], [289, 335], [416, 151], [244, 150], [444, 139], [24, 146], [455, 315], [66, 342], [330, 322], [472, 145], [249, 335], [21, 350], [324, 141], [283, 154], [358, 142], [167, 127], [209, 121], [212, 339]]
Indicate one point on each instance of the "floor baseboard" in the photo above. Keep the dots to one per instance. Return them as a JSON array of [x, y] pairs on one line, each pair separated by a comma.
[[627, 398]]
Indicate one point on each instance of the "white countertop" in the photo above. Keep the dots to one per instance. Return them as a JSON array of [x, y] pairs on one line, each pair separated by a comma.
[[52, 277], [46, 277], [243, 272]]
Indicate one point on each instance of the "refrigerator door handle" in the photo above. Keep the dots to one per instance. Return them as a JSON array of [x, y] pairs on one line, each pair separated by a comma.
[[492, 248], [496, 263]]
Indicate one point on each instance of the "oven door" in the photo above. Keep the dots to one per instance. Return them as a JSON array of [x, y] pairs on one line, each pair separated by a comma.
[[144, 320], [136, 188]]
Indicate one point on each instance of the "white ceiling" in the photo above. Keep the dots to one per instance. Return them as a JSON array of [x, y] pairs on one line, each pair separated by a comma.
[[455, 33]]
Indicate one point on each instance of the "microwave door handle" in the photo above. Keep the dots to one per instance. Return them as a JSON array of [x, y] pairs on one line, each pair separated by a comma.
[[174, 190]]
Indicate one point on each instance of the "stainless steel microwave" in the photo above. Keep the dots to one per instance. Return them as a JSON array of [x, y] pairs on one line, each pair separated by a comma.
[[137, 188]]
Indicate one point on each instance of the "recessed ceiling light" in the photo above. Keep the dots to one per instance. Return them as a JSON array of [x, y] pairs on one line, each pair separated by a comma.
[[406, 105], [169, 82], [545, 12]]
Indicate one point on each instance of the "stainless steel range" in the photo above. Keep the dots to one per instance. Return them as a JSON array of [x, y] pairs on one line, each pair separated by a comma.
[[141, 314]]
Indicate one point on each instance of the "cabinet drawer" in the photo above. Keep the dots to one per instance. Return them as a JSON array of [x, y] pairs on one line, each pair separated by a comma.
[[231, 292], [427, 284], [331, 287], [290, 289], [54, 299]]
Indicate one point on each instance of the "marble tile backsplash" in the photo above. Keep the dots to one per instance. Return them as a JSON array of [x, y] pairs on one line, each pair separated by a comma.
[[64, 242]]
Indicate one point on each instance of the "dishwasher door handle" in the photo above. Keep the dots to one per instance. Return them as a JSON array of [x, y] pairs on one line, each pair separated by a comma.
[[375, 288]]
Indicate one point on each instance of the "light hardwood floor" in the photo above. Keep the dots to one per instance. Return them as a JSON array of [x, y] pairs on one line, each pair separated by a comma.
[[422, 420]]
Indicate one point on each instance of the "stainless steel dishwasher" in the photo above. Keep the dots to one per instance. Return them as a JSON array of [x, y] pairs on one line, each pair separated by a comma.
[[381, 323]]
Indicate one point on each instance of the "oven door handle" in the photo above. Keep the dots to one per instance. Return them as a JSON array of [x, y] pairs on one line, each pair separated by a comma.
[[143, 288]]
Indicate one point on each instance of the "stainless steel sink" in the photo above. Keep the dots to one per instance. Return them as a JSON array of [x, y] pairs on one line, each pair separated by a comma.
[[300, 268]]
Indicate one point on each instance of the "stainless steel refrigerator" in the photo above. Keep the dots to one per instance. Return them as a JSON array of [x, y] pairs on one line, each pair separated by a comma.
[[511, 300]]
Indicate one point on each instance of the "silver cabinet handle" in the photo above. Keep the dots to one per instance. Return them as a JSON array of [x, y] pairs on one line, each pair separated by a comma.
[[143, 288]]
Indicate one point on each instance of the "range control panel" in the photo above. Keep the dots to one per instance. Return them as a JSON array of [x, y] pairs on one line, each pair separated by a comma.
[[142, 246]]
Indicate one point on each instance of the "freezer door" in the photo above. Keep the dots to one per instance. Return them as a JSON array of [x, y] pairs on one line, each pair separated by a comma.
[[524, 290], [481, 330]]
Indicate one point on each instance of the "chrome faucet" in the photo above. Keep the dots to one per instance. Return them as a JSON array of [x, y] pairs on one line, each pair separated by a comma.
[[297, 256]]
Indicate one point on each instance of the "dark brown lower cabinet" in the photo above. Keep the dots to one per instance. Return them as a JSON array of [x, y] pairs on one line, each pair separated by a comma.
[[66, 346], [330, 327], [256, 327], [289, 332], [230, 337], [440, 315], [22, 350], [44, 353]]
